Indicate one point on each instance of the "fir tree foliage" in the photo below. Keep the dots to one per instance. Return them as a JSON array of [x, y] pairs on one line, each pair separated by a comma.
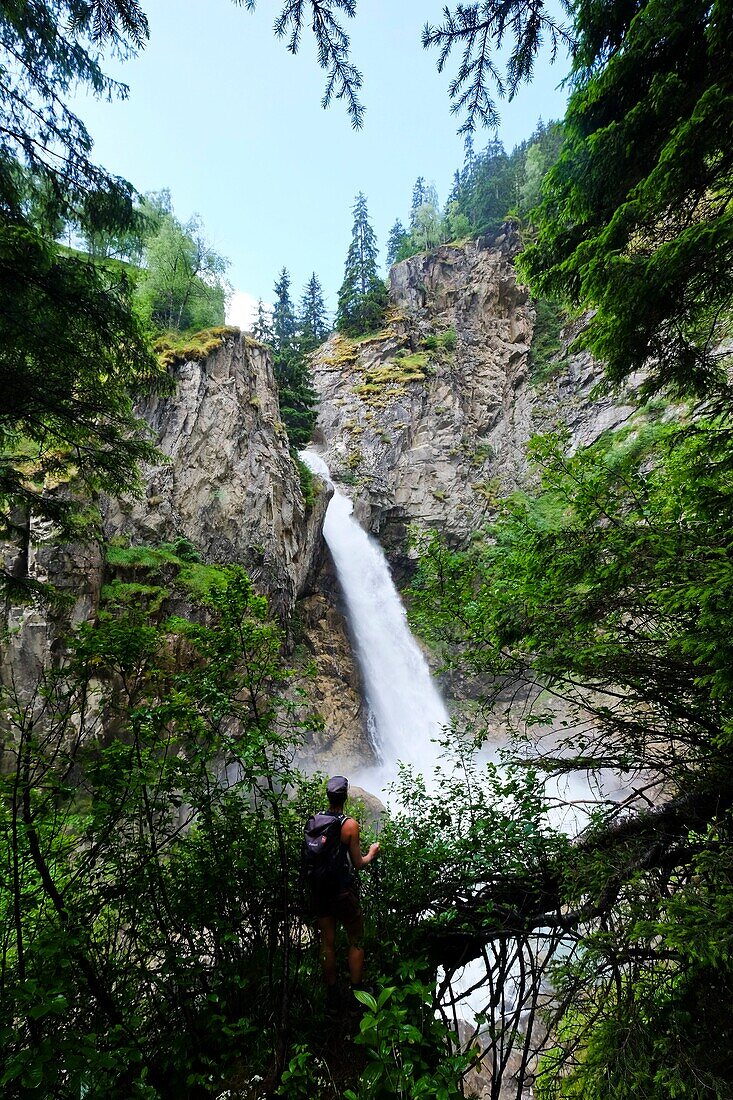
[[284, 323], [479, 30], [49, 47], [419, 196], [313, 325], [397, 237], [72, 351], [362, 298], [289, 352], [637, 210], [262, 328]]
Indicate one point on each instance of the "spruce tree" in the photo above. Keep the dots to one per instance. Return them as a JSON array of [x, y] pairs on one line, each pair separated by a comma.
[[295, 390], [419, 195], [313, 316], [284, 324], [362, 299], [262, 328], [395, 241]]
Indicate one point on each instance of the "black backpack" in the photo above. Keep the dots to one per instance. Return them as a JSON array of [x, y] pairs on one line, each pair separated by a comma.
[[323, 861]]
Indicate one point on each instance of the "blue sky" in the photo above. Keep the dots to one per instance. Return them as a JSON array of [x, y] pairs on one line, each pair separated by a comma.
[[223, 115]]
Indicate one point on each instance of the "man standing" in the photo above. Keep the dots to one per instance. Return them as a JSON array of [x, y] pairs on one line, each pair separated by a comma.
[[335, 890]]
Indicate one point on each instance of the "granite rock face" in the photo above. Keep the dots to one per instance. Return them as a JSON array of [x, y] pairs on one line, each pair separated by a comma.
[[335, 690], [230, 486], [427, 422]]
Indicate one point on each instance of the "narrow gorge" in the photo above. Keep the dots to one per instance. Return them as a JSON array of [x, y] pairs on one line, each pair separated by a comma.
[[444, 508], [423, 426]]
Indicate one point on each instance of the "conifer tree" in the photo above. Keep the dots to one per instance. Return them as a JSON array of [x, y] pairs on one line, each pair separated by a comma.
[[419, 195], [313, 316], [455, 191], [262, 328], [284, 324], [469, 158], [362, 299], [295, 390], [395, 241]]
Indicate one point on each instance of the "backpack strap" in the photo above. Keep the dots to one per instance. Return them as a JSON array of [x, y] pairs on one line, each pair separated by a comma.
[[341, 816]]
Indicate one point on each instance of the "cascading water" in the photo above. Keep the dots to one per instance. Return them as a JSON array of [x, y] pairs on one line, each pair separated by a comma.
[[406, 712]]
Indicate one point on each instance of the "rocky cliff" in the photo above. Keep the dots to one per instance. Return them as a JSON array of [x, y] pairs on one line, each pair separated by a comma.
[[226, 484], [427, 422]]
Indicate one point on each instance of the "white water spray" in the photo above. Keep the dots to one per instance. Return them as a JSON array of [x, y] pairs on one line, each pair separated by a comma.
[[406, 712]]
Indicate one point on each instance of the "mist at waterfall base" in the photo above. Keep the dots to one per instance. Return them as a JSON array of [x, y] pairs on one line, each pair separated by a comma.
[[406, 713]]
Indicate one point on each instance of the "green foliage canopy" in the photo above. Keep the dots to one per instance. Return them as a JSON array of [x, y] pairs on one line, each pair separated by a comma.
[[182, 286], [611, 589], [636, 219], [72, 352]]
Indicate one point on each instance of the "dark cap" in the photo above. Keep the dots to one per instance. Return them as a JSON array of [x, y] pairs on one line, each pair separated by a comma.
[[338, 785]]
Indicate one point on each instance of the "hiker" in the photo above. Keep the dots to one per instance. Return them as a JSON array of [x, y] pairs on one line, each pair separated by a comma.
[[333, 856]]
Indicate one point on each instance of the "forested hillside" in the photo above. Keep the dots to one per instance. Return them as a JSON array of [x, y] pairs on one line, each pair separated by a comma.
[[164, 579]]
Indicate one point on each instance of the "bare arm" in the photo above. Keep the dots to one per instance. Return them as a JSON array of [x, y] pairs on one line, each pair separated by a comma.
[[350, 836]]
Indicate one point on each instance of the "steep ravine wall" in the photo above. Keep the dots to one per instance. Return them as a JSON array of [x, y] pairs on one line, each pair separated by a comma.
[[227, 484], [427, 422]]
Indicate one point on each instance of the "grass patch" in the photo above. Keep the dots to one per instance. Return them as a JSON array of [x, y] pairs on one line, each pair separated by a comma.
[[344, 354], [442, 341], [152, 557], [199, 579], [120, 594], [373, 337], [178, 563], [307, 483], [546, 344], [414, 361], [174, 348], [383, 384]]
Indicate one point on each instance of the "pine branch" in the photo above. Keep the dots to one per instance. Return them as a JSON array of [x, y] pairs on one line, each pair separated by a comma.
[[480, 30], [344, 80], [117, 21]]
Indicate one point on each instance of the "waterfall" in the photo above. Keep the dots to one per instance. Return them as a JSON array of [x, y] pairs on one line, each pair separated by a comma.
[[406, 712]]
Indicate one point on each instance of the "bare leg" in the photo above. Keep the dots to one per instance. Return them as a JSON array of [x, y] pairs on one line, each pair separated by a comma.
[[355, 931], [327, 926], [356, 963]]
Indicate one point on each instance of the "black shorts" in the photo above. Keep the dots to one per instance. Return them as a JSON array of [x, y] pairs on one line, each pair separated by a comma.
[[343, 907]]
